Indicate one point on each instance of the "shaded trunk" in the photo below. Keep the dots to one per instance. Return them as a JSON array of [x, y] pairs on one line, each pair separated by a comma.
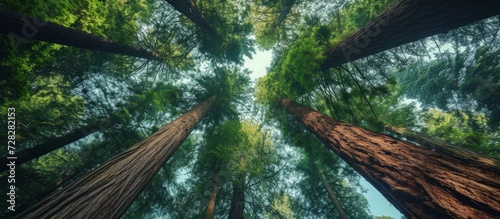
[[420, 183], [238, 199], [213, 195], [25, 27], [287, 7], [408, 21], [49, 146], [333, 197], [440, 146], [109, 190], [189, 9]]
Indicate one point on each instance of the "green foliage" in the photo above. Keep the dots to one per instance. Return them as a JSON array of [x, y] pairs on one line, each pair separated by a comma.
[[230, 84], [460, 129]]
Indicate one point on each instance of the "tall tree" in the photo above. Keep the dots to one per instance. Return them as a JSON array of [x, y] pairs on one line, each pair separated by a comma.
[[419, 182], [189, 9], [24, 27], [120, 181], [51, 145], [408, 21], [213, 194], [333, 197]]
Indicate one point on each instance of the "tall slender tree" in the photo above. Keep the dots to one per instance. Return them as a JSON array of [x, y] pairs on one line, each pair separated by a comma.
[[213, 194], [421, 183], [333, 197], [189, 9], [108, 191], [408, 21], [25, 27], [51, 145]]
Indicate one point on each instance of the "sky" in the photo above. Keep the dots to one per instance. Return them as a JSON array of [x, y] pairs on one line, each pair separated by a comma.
[[378, 204]]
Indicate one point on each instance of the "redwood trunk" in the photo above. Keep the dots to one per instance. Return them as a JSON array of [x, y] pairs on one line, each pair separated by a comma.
[[47, 147], [333, 197], [237, 208], [189, 9], [213, 195], [25, 27], [421, 183], [408, 21], [109, 190]]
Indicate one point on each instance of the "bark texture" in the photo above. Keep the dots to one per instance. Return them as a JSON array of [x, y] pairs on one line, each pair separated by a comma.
[[408, 21], [420, 183], [49, 146], [109, 190], [29, 28], [333, 197]]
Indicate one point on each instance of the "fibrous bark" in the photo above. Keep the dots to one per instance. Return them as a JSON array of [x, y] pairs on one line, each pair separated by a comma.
[[405, 22], [420, 183], [25, 27], [109, 190]]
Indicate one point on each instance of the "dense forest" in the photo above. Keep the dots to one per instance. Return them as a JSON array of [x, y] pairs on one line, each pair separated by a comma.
[[144, 109]]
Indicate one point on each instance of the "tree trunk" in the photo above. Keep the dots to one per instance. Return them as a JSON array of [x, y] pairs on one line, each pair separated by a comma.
[[49, 146], [189, 9], [442, 147], [109, 190], [287, 7], [25, 27], [213, 195], [408, 21], [333, 197], [237, 208], [421, 183]]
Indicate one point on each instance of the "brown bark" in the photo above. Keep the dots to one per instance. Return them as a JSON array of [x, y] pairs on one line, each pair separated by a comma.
[[333, 197], [236, 211], [213, 195], [405, 22], [109, 190], [421, 183], [49, 146], [29, 28]]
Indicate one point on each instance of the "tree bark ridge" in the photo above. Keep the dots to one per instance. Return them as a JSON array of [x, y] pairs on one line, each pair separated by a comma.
[[420, 183]]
